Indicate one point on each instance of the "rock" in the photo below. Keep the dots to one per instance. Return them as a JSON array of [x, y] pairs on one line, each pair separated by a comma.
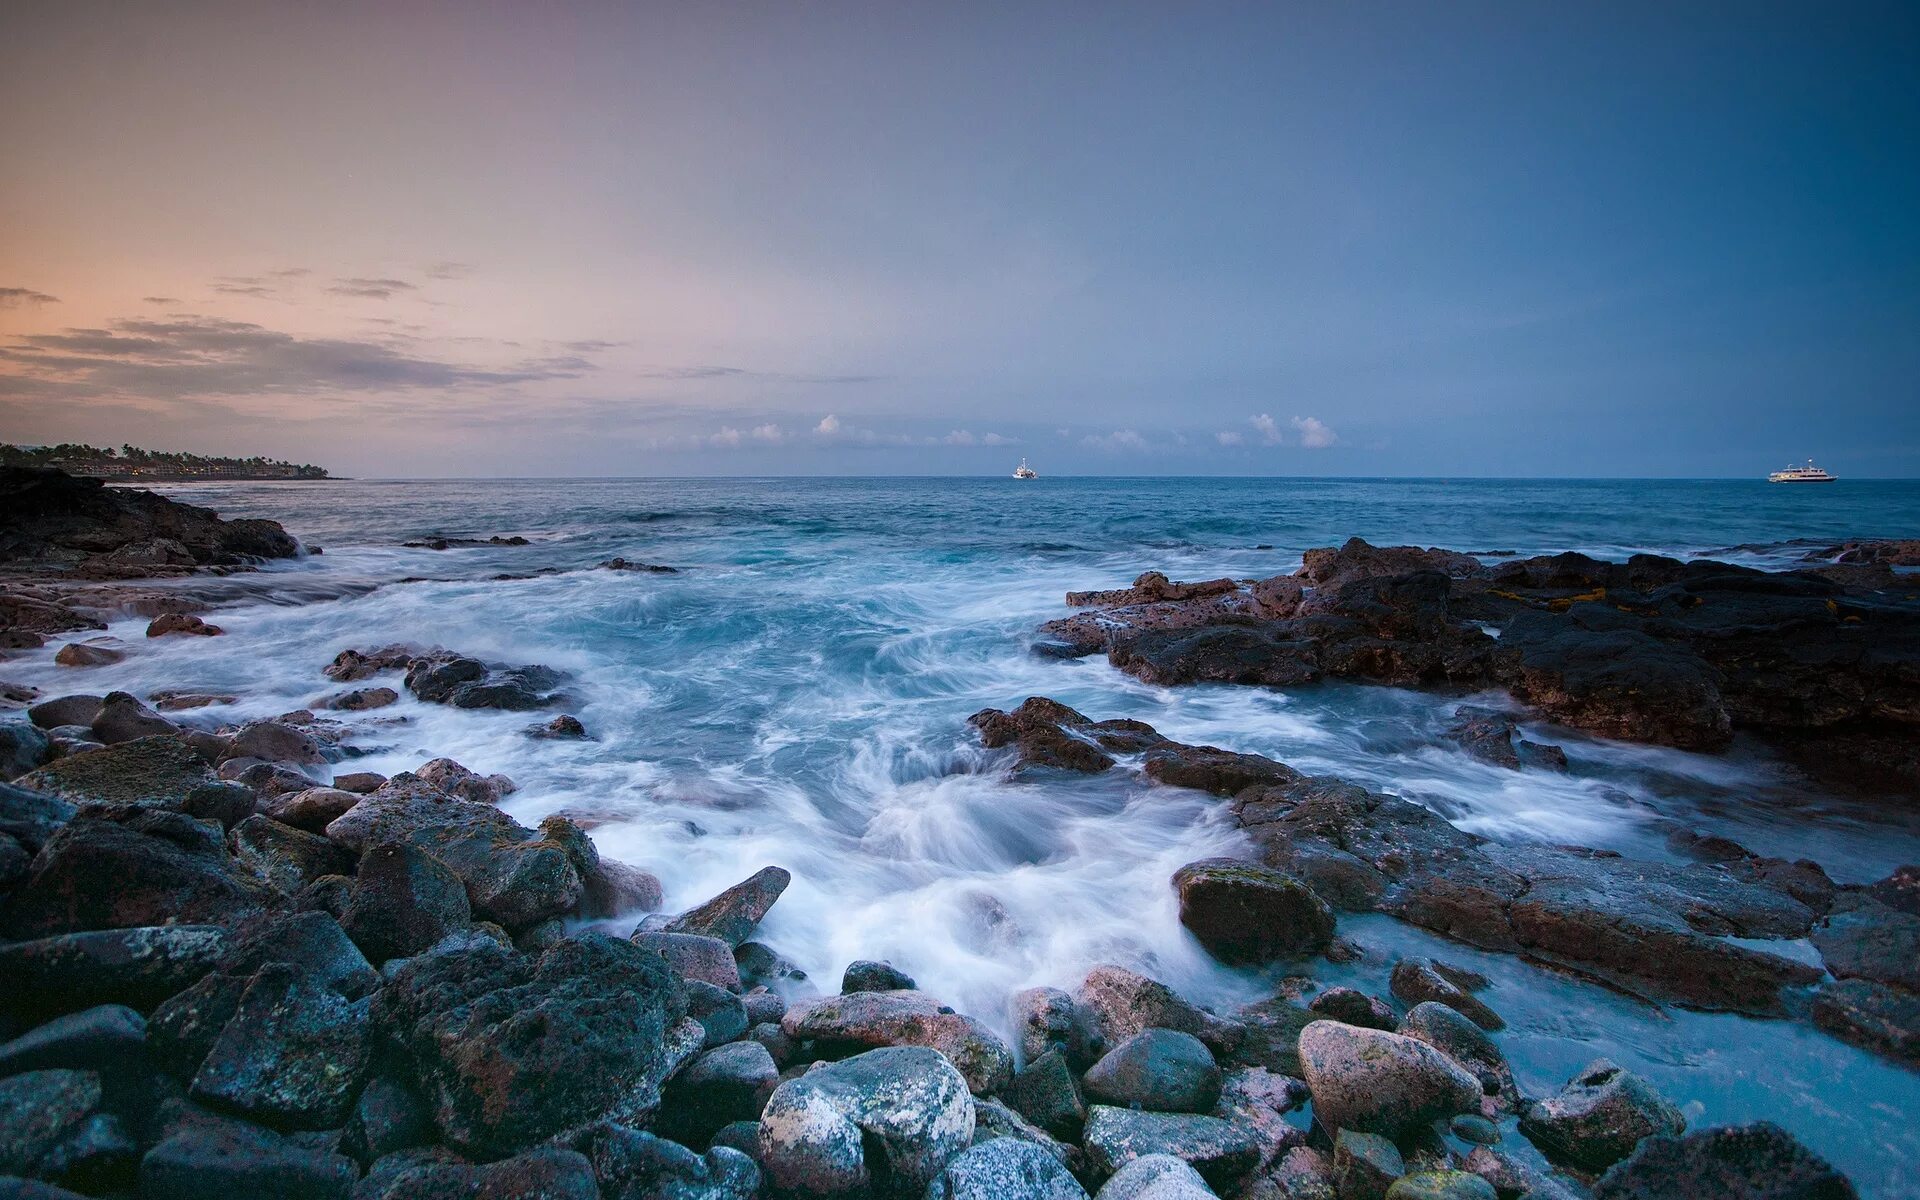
[[65, 710], [285, 858], [706, 959], [615, 889], [1441, 1185], [1210, 769], [311, 809], [1157, 1069], [1618, 683], [266, 779], [1760, 1161], [1883, 1019], [549, 1172], [1353, 1008], [734, 914], [1478, 1130], [1220, 1151], [720, 1013], [359, 699], [121, 868], [448, 777], [277, 742], [351, 665], [1365, 1165], [51, 517], [312, 941], [869, 1019], [1048, 734], [1511, 1177], [512, 876], [631, 1165], [1599, 1117], [1375, 1082], [122, 718], [508, 1050], [87, 654], [1121, 1003], [404, 901], [1155, 1177], [1865, 939], [388, 1117], [1447, 1030], [864, 976], [135, 967], [992, 1119], [1049, 1019], [562, 728], [760, 964], [726, 1084], [1005, 1169], [234, 1159], [184, 1028], [39, 1110], [104, 1038], [1046, 1093], [145, 773], [186, 701], [22, 748], [889, 1119], [187, 623], [360, 783], [1246, 913], [294, 1054], [469, 683], [1415, 980]]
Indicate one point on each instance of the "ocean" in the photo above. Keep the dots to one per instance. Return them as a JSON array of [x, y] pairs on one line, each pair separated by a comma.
[[797, 694]]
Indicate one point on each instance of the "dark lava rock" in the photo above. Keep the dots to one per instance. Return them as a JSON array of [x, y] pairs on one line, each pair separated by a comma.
[[1415, 980], [1046, 1093], [122, 718], [312, 809], [888, 1120], [548, 1172], [1211, 769], [1760, 1161], [404, 901], [1005, 1169], [470, 683], [1880, 1018], [1158, 1069], [235, 1159], [1246, 913], [311, 940], [52, 517], [39, 1111], [1222, 1151], [1353, 1007], [863, 975], [1599, 1117], [631, 1165], [284, 858], [726, 1084], [509, 1050], [1494, 737], [135, 967], [870, 1019], [621, 564], [293, 1054], [106, 1037], [1621, 683], [22, 748], [562, 727], [117, 868], [388, 1117], [734, 914], [359, 699], [1383, 1083], [154, 772]]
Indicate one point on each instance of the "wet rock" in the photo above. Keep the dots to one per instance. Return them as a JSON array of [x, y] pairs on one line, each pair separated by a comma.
[[1049, 734], [40, 1110], [726, 1084], [992, 1119], [1211, 769], [1155, 1177], [285, 858], [1353, 1008], [760, 964], [1512, 1178], [87, 654], [1259, 1100], [1046, 1093], [311, 809], [359, 699], [135, 967], [1619, 683], [1364, 1165], [159, 772], [351, 665], [122, 718], [1478, 1130], [1599, 1117], [508, 1050], [1415, 980], [450, 778], [1494, 737], [404, 900], [114, 868], [232, 1158], [1005, 1169], [1375, 1082], [871, 1019], [631, 1165], [734, 914], [562, 728], [1883, 1019], [1219, 1150], [266, 779], [1447, 1030], [103, 1038], [720, 1012], [294, 1053], [1865, 939], [1246, 913], [171, 701], [1121, 1003], [359, 783], [51, 517], [277, 742], [865, 976], [22, 748], [1330, 568], [1158, 1069], [1270, 656], [888, 1120], [470, 683], [78, 709], [1760, 1161], [1049, 1019], [706, 959], [185, 623], [1441, 1185]]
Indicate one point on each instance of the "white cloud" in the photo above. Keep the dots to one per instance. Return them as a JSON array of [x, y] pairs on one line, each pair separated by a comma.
[[994, 439], [768, 433], [728, 436], [960, 437], [1267, 428], [1230, 437], [1117, 442], [828, 426], [1314, 434]]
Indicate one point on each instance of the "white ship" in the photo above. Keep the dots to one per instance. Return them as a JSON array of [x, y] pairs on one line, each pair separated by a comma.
[[1023, 471], [1806, 474]]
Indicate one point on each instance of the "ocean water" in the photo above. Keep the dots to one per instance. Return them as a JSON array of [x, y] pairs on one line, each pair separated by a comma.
[[798, 695]]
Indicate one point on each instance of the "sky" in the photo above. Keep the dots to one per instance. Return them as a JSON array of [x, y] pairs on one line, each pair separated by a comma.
[[410, 239]]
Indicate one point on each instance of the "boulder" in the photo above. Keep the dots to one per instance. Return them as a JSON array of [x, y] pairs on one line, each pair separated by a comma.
[[721, 1013], [1863, 938], [313, 941], [449, 777], [1760, 1161], [1158, 1069], [311, 809], [862, 975], [88, 654], [1376, 1082], [39, 1112], [1599, 1117], [734, 914], [277, 742], [233, 1158], [1155, 1177], [151, 772], [1880, 1018], [284, 858], [351, 665], [1352, 1007], [104, 1038], [726, 1084], [1447, 1030], [1441, 1185], [1005, 1169], [1049, 1019], [1121, 1003], [631, 1165], [508, 1050], [359, 783], [1048, 734], [1046, 1093], [564, 727], [548, 1172], [1245, 913], [404, 901], [184, 1028], [294, 1053], [122, 718], [185, 623], [22, 748], [1365, 1165], [1211, 769], [1415, 980], [706, 959], [135, 967], [359, 699], [1221, 1151], [65, 710], [388, 1117], [464, 682], [870, 1019], [887, 1120]]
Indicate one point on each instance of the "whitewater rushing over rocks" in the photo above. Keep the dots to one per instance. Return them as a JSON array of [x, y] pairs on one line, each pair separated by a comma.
[[543, 835]]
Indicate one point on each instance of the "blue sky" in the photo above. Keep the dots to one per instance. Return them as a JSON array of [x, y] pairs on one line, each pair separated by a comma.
[[1266, 239]]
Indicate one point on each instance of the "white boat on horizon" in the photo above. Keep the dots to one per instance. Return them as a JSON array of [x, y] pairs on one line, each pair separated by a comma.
[[1023, 471], [1806, 474]]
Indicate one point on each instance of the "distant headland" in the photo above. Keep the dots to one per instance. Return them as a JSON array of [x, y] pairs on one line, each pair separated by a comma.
[[131, 462]]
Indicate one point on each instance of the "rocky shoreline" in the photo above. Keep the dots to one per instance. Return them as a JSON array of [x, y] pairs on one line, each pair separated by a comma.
[[239, 966]]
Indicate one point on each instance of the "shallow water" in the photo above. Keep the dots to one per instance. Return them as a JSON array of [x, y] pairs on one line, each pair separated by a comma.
[[798, 695]]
